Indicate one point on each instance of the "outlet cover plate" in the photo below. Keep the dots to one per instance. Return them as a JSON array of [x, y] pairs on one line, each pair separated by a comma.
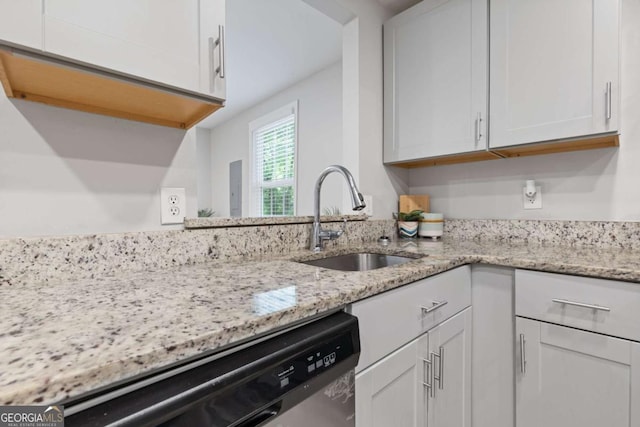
[[536, 202], [173, 205]]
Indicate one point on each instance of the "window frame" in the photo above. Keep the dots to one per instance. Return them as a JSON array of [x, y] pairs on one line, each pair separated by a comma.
[[257, 185]]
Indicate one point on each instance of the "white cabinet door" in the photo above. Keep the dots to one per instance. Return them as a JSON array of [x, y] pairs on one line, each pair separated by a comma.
[[450, 354], [573, 378], [435, 80], [390, 392], [21, 22], [492, 356], [159, 41], [554, 69], [212, 67]]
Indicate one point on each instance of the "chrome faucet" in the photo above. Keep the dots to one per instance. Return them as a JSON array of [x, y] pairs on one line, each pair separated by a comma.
[[319, 235]]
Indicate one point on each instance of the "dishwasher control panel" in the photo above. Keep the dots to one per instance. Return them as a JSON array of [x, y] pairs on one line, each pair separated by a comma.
[[310, 364]]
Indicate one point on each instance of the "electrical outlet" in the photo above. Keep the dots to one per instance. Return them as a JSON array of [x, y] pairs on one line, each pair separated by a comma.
[[534, 202], [173, 205], [368, 200]]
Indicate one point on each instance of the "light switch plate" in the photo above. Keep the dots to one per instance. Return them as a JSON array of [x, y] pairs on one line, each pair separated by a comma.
[[173, 205]]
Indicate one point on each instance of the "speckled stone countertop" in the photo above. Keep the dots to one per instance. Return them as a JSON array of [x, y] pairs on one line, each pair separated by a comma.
[[66, 338], [220, 222]]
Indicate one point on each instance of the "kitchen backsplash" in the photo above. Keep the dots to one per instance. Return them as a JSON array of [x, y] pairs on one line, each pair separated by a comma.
[[39, 260], [602, 234]]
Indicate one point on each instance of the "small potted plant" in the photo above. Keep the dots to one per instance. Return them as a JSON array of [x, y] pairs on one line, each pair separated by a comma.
[[408, 223], [205, 213]]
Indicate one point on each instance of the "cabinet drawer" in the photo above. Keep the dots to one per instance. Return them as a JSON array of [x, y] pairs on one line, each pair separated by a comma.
[[392, 319], [597, 305]]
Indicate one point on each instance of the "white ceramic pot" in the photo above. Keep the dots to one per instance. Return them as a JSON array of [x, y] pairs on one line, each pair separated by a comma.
[[431, 225]]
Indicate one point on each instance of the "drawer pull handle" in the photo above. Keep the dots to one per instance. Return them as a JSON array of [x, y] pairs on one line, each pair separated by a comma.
[[434, 307], [581, 304]]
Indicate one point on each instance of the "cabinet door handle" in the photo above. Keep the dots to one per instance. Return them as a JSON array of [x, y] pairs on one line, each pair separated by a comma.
[[212, 65], [434, 307], [430, 375], [478, 129], [580, 304], [220, 69], [607, 106], [440, 377], [213, 70], [523, 360]]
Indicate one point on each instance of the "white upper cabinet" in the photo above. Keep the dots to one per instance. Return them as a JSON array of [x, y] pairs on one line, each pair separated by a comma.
[[21, 22], [160, 41], [435, 80], [554, 69], [212, 66]]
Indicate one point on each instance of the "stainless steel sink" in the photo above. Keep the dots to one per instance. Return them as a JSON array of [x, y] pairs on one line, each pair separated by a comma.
[[358, 262]]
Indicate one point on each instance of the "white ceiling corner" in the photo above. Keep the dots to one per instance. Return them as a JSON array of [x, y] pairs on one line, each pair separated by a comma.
[[397, 6], [271, 45]]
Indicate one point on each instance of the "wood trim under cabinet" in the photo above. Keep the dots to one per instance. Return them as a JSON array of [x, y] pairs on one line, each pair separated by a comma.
[[560, 147], [448, 160], [516, 151], [49, 83]]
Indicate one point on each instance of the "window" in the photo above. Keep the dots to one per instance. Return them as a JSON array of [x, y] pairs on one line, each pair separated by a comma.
[[273, 142]]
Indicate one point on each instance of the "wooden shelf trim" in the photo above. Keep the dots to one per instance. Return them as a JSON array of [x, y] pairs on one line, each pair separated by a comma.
[[63, 86], [516, 151]]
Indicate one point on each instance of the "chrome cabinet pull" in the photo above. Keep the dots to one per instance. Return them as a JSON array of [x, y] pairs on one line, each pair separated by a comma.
[[430, 375], [607, 106], [440, 377], [523, 361], [434, 307], [220, 42], [478, 129], [213, 70], [580, 304], [212, 74]]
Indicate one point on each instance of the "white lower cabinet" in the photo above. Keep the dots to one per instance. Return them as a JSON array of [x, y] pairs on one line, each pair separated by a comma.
[[577, 354], [390, 393], [449, 345], [424, 383], [582, 370], [572, 378]]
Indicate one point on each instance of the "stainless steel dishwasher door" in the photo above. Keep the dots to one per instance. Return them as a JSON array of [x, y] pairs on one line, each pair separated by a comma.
[[334, 406]]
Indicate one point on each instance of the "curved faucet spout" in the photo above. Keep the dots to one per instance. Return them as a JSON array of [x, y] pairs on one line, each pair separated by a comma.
[[318, 234]]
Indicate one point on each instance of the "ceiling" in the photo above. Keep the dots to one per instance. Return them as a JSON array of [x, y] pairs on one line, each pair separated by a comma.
[[397, 6], [271, 45]]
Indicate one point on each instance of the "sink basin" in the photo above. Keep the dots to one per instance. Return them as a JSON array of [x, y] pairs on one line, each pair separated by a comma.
[[358, 262]]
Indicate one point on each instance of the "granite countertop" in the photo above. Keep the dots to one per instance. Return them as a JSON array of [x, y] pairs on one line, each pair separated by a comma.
[[62, 339], [220, 222]]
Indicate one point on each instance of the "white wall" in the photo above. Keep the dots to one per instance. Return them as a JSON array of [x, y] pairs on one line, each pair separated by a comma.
[[590, 185], [66, 172], [203, 167], [362, 104], [319, 142]]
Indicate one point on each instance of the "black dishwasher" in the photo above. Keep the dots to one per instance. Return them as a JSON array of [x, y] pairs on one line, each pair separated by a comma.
[[304, 376]]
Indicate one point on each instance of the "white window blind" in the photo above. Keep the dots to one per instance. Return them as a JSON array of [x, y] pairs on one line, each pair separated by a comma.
[[274, 164]]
